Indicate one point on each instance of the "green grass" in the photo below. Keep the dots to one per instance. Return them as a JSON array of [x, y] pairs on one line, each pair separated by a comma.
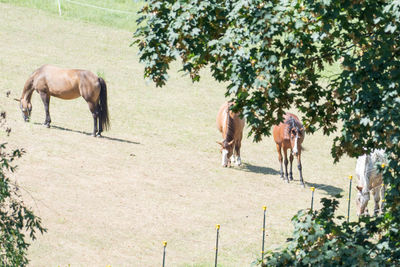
[[70, 10]]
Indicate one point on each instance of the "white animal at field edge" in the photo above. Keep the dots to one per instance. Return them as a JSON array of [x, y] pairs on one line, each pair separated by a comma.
[[369, 180]]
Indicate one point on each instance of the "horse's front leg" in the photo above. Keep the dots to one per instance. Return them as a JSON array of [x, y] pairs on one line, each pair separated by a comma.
[[46, 102], [383, 197], [377, 199], [286, 163], [291, 163], [237, 152]]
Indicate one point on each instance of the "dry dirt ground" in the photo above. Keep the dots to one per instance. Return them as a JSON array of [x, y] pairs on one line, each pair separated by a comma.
[[156, 174]]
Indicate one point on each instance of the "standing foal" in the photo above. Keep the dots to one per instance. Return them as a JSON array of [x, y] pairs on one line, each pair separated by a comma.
[[289, 134]]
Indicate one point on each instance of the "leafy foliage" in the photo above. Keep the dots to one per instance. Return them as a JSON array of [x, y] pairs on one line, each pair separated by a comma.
[[16, 220], [319, 238], [274, 54]]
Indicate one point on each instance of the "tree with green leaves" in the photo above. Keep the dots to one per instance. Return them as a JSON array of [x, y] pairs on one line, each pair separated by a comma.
[[16, 219], [279, 54]]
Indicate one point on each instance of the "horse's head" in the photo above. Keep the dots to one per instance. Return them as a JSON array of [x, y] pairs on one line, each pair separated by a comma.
[[296, 137], [26, 108], [362, 201], [226, 151]]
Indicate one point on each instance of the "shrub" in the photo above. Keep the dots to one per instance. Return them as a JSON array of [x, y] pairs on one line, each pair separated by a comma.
[[16, 220]]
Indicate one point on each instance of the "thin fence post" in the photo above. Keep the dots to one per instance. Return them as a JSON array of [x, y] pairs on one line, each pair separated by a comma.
[[59, 7], [263, 230], [348, 206], [216, 246], [312, 197], [163, 258]]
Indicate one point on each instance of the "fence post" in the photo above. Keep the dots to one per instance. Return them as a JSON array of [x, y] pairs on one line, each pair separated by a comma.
[[59, 7], [216, 245], [163, 258], [348, 206], [312, 197], [263, 230]]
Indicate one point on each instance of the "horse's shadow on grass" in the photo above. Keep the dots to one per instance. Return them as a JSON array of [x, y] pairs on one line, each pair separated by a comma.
[[258, 169], [89, 134], [329, 189]]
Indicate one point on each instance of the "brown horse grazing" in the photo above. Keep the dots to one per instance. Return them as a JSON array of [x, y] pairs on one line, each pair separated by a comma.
[[67, 84], [231, 126], [289, 134]]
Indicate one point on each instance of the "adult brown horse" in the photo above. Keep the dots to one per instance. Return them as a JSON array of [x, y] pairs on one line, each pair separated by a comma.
[[231, 126], [49, 81], [289, 134]]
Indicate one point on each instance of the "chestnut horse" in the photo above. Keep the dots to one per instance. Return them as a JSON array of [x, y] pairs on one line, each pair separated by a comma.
[[289, 134], [231, 126], [67, 84]]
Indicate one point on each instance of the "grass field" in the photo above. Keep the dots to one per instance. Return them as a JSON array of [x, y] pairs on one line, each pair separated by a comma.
[[156, 174], [120, 14]]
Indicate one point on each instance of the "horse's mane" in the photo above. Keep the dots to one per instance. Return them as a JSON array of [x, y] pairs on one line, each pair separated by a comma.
[[28, 89], [293, 124], [230, 125]]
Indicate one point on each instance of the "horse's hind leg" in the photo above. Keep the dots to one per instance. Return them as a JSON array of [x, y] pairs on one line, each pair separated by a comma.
[[94, 109], [278, 148], [46, 102], [300, 169], [99, 118]]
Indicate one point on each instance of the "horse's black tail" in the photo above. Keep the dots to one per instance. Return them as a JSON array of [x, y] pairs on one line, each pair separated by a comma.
[[103, 108]]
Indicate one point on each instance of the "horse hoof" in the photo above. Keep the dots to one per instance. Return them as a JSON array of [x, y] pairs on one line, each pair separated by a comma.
[[99, 136], [303, 186], [291, 178], [287, 181], [46, 125]]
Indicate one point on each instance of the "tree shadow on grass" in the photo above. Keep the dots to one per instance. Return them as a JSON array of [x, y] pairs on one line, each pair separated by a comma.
[[258, 169], [90, 134], [329, 189]]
